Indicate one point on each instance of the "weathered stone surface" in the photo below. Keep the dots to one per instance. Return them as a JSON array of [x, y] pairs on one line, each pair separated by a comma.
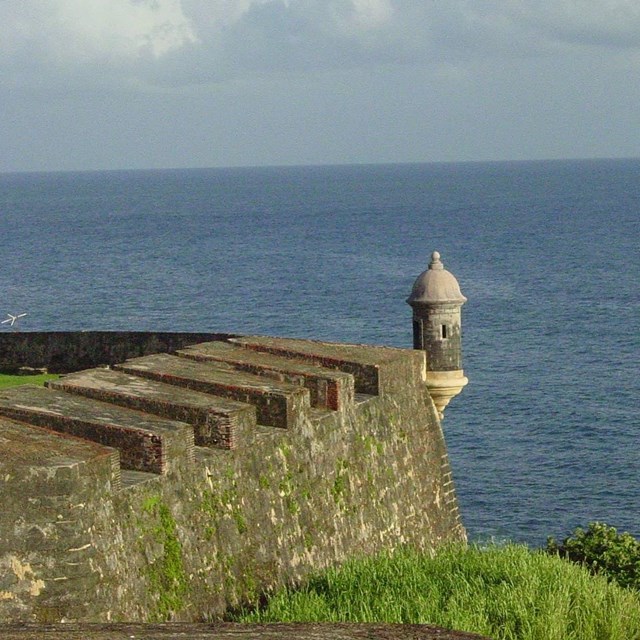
[[145, 442], [66, 351], [328, 388], [372, 367], [217, 422], [48, 486], [223, 631], [28, 451], [210, 535], [278, 404]]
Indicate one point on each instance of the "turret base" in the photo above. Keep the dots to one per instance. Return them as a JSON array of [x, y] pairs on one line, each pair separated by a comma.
[[444, 385]]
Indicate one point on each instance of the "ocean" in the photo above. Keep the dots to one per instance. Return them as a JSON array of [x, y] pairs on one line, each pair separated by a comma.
[[545, 436]]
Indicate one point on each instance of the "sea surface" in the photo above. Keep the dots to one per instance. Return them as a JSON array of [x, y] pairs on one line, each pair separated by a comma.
[[545, 437]]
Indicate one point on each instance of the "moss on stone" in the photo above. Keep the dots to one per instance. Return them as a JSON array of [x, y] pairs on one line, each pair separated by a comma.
[[340, 483], [167, 577], [221, 502]]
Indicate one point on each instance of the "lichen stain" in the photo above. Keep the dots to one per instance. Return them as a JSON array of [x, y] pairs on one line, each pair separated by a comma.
[[36, 588], [20, 569], [24, 572], [437, 498]]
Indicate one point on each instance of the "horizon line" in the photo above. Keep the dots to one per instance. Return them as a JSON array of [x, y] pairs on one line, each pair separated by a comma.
[[321, 165]]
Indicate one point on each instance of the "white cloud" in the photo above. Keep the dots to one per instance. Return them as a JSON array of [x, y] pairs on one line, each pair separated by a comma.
[[372, 13], [126, 27], [337, 16], [81, 31], [216, 14], [354, 16], [189, 41]]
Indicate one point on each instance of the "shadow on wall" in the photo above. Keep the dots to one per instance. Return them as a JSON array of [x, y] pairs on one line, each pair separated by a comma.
[[68, 351]]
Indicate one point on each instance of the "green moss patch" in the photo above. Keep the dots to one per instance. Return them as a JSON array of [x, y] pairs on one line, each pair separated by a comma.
[[167, 577], [7, 380]]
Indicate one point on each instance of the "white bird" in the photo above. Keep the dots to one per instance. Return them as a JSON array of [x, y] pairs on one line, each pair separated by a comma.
[[12, 319]]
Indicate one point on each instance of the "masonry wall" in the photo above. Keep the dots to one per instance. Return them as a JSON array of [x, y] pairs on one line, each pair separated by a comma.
[[65, 351], [223, 526]]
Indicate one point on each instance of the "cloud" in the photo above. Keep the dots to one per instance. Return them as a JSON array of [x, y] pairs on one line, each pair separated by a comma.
[[77, 32], [174, 42], [605, 23], [357, 16], [535, 26], [334, 33]]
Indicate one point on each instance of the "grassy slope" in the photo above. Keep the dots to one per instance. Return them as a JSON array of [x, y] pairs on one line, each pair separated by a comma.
[[13, 381], [503, 592]]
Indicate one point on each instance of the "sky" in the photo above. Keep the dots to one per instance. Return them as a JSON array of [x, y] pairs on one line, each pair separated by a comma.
[[133, 84]]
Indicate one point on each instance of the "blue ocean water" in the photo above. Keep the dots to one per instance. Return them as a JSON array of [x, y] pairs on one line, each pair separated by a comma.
[[543, 439]]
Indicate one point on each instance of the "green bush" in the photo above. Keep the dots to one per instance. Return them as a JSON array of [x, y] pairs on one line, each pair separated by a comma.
[[602, 550]]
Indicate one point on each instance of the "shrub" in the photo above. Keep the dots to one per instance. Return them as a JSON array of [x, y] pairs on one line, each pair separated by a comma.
[[602, 550]]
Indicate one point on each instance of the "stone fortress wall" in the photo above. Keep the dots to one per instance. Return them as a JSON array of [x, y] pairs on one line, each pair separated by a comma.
[[67, 351], [197, 471], [175, 486]]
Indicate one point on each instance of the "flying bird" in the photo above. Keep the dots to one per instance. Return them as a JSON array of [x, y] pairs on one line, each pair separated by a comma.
[[12, 319]]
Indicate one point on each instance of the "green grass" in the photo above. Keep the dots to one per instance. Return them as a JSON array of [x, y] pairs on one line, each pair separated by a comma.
[[7, 380], [505, 593]]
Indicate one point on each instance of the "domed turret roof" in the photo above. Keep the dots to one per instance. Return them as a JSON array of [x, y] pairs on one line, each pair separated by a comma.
[[436, 284]]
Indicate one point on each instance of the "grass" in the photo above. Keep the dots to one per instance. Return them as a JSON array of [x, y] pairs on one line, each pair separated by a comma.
[[7, 380], [506, 593]]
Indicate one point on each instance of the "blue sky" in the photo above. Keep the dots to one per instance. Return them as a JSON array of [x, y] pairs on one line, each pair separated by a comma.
[[114, 84]]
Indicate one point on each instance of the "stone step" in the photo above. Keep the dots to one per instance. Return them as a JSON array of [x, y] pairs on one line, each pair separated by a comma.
[[371, 367], [217, 422], [145, 442], [328, 388], [37, 461], [278, 403]]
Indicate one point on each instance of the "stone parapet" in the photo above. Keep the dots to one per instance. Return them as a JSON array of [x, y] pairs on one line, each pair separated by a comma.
[[145, 442], [67, 351], [277, 403], [328, 388], [174, 486]]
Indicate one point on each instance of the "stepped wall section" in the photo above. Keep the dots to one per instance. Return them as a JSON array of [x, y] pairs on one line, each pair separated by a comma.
[[186, 480]]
